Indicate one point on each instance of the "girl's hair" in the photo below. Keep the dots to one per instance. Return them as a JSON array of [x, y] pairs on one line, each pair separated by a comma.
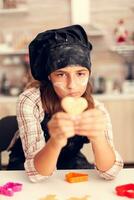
[[50, 100]]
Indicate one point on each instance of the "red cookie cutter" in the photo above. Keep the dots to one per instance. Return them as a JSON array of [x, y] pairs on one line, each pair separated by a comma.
[[125, 190], [9, 188]]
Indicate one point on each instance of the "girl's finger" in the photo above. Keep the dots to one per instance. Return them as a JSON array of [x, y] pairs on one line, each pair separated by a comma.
[[97, 127], [92, 112]]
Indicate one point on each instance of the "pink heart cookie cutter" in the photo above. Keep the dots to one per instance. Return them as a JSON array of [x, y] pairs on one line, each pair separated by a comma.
[[9, 188]]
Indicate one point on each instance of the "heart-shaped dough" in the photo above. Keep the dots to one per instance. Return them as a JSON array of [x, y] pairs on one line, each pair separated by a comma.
[[74, 106]]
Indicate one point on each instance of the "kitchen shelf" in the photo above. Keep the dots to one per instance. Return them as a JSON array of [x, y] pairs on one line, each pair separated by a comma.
[[22, 10], [93, 30], [127, 53], [4, 52], [122, 48]]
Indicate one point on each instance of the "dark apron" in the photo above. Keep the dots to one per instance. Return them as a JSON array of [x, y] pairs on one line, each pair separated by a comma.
[[70, 156]]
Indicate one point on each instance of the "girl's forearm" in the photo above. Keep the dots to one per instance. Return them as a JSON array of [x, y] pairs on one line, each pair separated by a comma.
[[45, 161], [103, 153]]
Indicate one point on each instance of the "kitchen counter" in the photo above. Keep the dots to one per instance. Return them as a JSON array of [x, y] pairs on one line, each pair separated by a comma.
[[101, 97], [7, 99], [120, 96]]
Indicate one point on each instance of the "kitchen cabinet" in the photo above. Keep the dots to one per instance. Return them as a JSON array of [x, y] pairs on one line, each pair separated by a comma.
[[121, 110], [126, 51], [13, 7], [122, 116], [13, 47], [23, 10], [7, 106], [13, 60]]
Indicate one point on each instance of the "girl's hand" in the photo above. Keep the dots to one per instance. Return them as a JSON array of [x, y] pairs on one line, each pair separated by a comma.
[[61, 127], [91, 123]]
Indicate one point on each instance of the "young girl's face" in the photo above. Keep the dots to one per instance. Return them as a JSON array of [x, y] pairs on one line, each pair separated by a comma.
[[70, 81]]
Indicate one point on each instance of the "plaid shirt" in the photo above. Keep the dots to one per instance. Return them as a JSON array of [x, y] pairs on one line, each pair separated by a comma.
[[30, 114]]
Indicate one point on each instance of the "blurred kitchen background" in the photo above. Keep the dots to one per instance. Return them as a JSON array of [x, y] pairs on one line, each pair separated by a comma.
[[110, 28]]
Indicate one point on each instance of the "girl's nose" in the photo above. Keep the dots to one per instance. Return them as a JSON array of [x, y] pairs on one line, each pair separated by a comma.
[[72, 82]]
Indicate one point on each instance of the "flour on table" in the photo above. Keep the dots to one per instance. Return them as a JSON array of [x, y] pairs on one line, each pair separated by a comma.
[[56, 197], [49, 197], [81, 198]]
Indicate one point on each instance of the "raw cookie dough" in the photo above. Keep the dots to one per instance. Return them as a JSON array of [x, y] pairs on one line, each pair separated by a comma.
[[81, 198], [49, 197], [54, 197], [74, 106]]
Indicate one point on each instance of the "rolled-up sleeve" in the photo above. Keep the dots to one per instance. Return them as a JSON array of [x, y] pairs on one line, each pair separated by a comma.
[[114, 170], [29, 118], [118, 164]]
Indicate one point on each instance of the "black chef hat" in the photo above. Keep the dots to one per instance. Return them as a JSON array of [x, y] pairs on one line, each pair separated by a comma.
[[58, 48]]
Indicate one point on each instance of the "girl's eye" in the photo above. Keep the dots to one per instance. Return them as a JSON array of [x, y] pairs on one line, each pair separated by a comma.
[[60, 75], [81, 74]]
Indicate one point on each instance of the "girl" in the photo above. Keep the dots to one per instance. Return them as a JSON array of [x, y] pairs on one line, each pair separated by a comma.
[[51, 138]]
